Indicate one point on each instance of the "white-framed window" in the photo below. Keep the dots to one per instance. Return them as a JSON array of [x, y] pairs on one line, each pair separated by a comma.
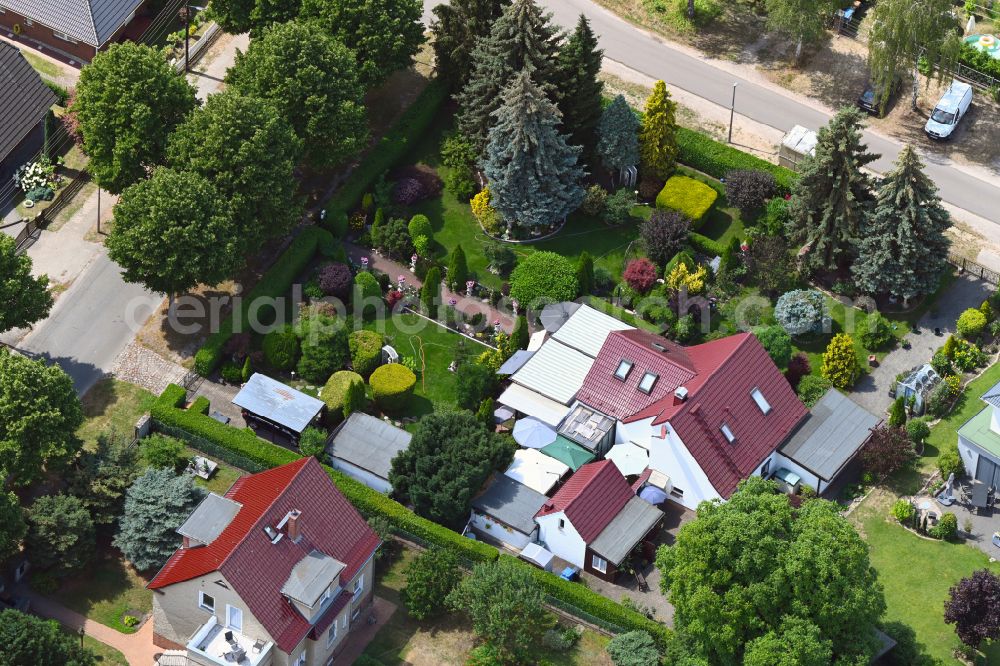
[[63, 36], [727, 433], [301, 659], [359, 587], [647, 382], [331, 634], [562, 523], [761, 401], [326, 596], [234, 617], [206, 601], [343, 622], [624, 367], [766, 468], [599, 564]]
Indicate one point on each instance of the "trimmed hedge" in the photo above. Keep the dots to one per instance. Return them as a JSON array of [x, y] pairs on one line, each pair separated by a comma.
[[245, 450], [274, 283], [366, 352], [392, 386], [688, 196], [200, 405], [705, 245], [702, 152], [390, 149], [334, 392]]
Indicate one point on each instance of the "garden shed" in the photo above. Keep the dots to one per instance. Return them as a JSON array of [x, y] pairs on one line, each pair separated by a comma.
[[363, 447], [917, 384], [270, 403], [797, 144]]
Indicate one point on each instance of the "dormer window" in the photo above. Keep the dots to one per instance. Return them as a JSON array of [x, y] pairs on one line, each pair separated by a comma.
[[327, 595], [761, 401], [647, 382], [624, 367], [727, 433]]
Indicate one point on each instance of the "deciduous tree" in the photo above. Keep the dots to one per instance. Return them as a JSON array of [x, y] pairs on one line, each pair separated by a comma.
[[249, 152], [128, 101], [658, 134], [534, 175], [459, 25], [802, 20], [833, 197], [904, 250], [888, 449], [312, 79], [664, 234], [155, 506], [618, 136], [777, 343], [430, 578], [196, 240], [579, 91], [543, 276], [60, 534], [24, 299], [633, 648], [12, 525], [973, 606], [384, 34], [31, 640], [797, 642], [39, 415], [448, 460]]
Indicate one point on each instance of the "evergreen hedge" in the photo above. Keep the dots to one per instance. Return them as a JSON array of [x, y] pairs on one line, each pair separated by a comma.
[[690, 197], [392, 386], [702, 152]]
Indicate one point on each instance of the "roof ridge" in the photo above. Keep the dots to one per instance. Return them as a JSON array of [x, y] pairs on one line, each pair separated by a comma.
[[93, 23]]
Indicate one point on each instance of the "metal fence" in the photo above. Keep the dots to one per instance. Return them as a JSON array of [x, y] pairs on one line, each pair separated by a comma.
[[973, 268]]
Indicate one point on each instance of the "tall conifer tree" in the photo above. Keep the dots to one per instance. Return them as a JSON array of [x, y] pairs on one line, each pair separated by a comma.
[[533, 173], [522, 39], [658, 134], [903, 249], [833, 197], [618, 136], [458, 26], [579, 89]]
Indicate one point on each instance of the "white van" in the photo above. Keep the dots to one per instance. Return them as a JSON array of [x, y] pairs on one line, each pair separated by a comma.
[[949, 110]]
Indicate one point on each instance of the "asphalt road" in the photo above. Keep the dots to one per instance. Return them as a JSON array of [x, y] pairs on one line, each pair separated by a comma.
[[640, 51], [91, 323]]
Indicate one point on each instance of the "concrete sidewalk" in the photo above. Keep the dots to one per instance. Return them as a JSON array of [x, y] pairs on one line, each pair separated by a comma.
[[208, 73]]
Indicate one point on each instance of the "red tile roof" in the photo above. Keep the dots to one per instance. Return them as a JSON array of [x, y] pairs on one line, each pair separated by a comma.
[[622, 398], [591, 498], [727, 371], [256, 568]]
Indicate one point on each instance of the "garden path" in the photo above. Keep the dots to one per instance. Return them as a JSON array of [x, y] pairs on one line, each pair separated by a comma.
[[137, 648], [464, 304], [872, 392]]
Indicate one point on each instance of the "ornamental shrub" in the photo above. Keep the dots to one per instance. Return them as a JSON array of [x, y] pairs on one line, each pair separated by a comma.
[[971, 323], [618, 207], [281, 348], [160, 451], [593, 200], [689, 196], [664, 234], [682, 276], [312, 442], [812, 388], [487, 215], [633, 648], [408, 191], [340, 393], [941, 364], [903, 511], [640, 274], [947, 527], [366, 351], [950, 462], [943, 395], [700, 151], [335, 280], [897, 412], [543, 275], [430, 182], [840, 363], [502, 259], [918, 430], [324, 347], [798, 367], [392, 385], [395, 241], [420, 226], [802, 311], [777, 343], [968, 356], [749, 189], [876, 332], [367, 292], [776, 216]]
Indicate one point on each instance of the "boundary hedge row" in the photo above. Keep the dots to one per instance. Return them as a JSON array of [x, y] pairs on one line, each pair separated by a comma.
[[275, 283], [702, 152], [705, 245], [244, 449]]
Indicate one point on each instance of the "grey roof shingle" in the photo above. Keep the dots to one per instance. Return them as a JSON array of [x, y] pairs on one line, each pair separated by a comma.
[[368, 443], [510, 502], [992, 397], [92, 22], [830, 436], [24, 101]]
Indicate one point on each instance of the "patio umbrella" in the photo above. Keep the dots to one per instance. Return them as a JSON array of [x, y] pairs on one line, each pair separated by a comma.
[[653, 495], [533, 434], [554, 315], [629, 458], [501, 414]]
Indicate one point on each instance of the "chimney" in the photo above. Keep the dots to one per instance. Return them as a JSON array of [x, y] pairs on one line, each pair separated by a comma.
[[186, 543], [681, 393], [294, 528]]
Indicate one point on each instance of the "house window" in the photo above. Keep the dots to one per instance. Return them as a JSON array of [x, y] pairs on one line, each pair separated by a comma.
[[327, 595], [647, 382], [359, 587], [624, 367], [730, 437], [206, 601], [343, 622], [562, 523], [63, 36], [301, 659], [766, 468], [28, 22], [331, 635], [234, 618], [761, 401], [677, 492], [599, 564]]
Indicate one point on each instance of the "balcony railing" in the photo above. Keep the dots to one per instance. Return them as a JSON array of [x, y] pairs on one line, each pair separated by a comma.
[[214, 644]]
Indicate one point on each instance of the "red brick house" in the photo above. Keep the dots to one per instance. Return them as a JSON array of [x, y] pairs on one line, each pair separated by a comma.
[[24, 105], [76, 28], [277, 571]]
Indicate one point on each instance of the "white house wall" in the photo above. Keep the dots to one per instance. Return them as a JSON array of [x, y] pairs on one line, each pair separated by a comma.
[[502, 533], [970, 456], [563, 542], [364, 476], [672, 458]]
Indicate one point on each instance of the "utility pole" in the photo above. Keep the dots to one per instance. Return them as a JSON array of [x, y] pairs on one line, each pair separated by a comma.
[[732, 112], [98, 209]]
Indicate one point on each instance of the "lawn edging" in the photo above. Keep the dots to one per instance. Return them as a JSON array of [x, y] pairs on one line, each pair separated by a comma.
[[244, 449]]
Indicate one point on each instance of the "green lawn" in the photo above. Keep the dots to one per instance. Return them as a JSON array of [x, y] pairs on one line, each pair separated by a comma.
[[449, 640], [224, 477], [47, 69], [916, 573], [113, 405], [106, 655], [434, 348], [106, 591]]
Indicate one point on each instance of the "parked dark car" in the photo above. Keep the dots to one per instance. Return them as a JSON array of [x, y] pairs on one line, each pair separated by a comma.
[[868, 100]]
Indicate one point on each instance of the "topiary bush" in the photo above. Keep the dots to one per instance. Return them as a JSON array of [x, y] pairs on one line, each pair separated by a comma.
[[340, 394], [812, 388], [748, 189], [876, 332], [335, 280], [366, 352], [971, 324], [367, 295], [640, 274], [840, 362], [543, 275], [689, 196], [420, 225], [392, 386], [802, 311]]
